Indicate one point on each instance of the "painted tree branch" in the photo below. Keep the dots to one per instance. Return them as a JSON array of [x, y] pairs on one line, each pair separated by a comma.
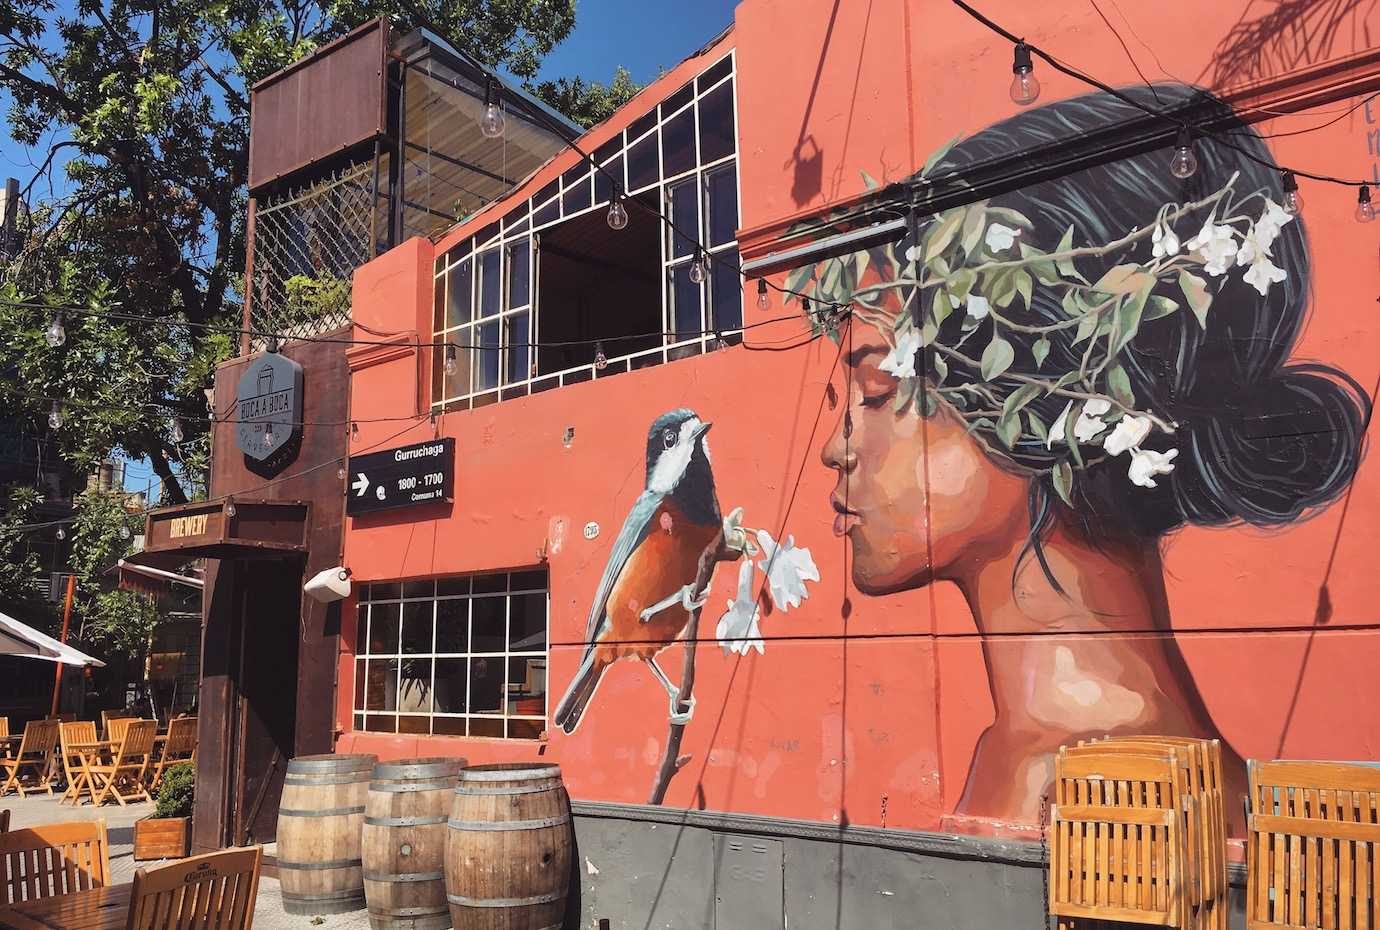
[[672, 762]]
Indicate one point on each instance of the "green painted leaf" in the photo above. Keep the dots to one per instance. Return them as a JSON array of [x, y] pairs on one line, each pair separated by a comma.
[[1065, 265], [1119, 385], [1196, 292], [950, 222], [938, 155], [1015, 401], [1086, 327], [928, 332], [974, 224], [941, 369], [996, 358], [1062, 477], [797, 280], [1037, 427], [1040, 350], [1071, 304], [1123, 279], [961, 282], [1067, 378], [940, 307], [860, 262], [1045, 272], [1024, 286], [1159, 307], [1070, 437], [1011, 216], [1001, 287], [869, 181], [1128, 316], [939, 267]]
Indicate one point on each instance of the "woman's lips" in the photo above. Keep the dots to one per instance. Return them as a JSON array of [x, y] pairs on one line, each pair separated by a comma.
[[845, 518]]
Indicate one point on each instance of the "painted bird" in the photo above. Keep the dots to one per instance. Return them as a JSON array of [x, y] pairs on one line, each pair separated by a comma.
[[644, 601]]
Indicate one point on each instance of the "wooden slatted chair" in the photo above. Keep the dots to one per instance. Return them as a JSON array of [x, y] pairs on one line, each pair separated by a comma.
[[1118, 849], [76, 733], [215, 891], [1313, 846], [36, 753], [115, 729], [54, 859], [180, 746], [123, 775]]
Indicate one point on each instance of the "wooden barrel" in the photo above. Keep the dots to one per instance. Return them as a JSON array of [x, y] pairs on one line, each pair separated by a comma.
[[508, 848], [404, 843], [319, 821]]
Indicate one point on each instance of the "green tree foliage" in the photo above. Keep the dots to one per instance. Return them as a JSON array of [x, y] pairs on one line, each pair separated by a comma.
[[102, 534], [19, 563], [588, 102]]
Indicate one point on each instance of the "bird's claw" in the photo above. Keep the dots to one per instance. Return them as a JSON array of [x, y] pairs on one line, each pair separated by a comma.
[[681, 719], [687, 601]]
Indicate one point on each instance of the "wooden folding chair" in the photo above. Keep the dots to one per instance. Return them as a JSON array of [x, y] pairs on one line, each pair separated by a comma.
[[75, 734], [115, 729], [35, 752], [215, 891], [54, 859], [178, 746], [123, 775]]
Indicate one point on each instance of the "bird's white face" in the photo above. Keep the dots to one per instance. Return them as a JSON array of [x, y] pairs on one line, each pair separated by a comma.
[[677, 445]]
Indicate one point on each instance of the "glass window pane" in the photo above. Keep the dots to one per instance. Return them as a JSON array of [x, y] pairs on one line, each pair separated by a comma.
[[458, 297], [361, 674], [712, 74], [450, 686], [685, 304], [486, 372], [486, 684], [721, 197], [417, 724], [717, 137], [677, 100], [725, 292], [678, 143], [381, 723], [384, 591], [642, 164], [642, 124], [525, 729], [383, 629], [489, 584], [491, 285], [414, 691], [519, 283], [453, 586], [381, 685], [448, 726], [576, 196], [527, 623], [603, 185], [487, 726], [519, 350], [489, 626], [415, 589], [528, 581], [527, 686], [416, 628], [548, 213], [452, 625], [438, 321], [362, 629], [684, 207], [457, 374]]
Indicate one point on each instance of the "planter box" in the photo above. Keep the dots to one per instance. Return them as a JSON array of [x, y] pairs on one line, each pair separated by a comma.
[[162, 837]]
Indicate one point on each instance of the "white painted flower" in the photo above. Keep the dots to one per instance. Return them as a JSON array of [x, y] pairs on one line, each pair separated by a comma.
[[737, 629], [1056, 429], [1088, 425], [787, 569], [1217, 245], [1165, 242], [1147, 463], [1129, 433], [900, 361], [1000, 238], [1263, 273], [978, 307], [1272, 220], [955, 302], [735, 537], [913, 253]]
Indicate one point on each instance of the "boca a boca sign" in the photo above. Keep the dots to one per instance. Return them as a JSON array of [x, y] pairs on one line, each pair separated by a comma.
[[269, 413]]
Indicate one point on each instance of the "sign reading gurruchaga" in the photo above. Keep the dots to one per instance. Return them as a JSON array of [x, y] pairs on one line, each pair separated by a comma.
[[423, 473], [268, 413]]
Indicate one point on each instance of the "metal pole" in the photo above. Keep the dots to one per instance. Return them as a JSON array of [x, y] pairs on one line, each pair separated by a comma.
[[66, 624], [248, 311]]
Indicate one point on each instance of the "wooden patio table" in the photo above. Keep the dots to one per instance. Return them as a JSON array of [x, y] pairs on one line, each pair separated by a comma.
[[98, 909]]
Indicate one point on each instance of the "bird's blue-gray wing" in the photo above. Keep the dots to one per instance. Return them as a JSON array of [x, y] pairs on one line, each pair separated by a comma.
[[635, 529]]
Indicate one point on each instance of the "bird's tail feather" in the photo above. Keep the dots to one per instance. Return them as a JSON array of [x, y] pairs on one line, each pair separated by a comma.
[[578, 695]]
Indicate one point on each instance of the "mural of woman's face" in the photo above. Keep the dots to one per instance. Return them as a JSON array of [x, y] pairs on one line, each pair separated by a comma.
[[973, 509]]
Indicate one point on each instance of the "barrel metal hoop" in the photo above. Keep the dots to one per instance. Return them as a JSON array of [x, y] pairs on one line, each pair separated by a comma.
[[491, 792], [500, 826], [409, 788], [403, 821], [324, 812], [319, 866], [348, 894], [404, 876], [394, 770], [349, 778], [505, 902], [539, 771], [407, 911]]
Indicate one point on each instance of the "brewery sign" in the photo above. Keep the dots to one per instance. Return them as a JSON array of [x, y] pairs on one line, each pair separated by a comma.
[[422, 473], [268, 413]]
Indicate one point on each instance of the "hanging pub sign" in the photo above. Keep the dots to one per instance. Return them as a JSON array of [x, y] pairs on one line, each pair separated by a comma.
[[422, 473], [269, 413]]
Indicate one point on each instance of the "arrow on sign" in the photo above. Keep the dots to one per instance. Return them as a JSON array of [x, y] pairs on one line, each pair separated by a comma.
[[360, 485]]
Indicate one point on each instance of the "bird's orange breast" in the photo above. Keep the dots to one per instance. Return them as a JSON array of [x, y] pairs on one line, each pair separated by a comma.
[[666, 561]]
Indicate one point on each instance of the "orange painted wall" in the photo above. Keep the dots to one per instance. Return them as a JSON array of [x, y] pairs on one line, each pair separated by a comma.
[[865, 709]]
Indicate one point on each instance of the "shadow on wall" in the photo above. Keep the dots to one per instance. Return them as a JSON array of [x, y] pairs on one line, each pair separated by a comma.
[[1278, 36]]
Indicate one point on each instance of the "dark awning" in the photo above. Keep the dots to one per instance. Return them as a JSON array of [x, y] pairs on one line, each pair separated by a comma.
[[224, 529]]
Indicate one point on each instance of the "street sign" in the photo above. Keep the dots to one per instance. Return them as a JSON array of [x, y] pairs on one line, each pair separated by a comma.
[[268, 411], [422, 473]]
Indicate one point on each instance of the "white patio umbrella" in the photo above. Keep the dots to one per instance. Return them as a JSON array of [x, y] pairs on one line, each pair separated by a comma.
[[20, 639]]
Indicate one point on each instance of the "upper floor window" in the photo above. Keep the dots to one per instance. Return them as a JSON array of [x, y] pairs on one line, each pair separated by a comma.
[[550, 295]]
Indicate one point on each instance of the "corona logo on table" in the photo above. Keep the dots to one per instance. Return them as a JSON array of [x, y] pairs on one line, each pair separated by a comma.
[[268, 412]]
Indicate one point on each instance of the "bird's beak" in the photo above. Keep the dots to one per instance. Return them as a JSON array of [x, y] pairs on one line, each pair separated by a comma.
[[702, 429]]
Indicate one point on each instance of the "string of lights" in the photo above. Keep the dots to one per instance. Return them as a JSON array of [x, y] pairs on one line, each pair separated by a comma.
[[1025, 90]]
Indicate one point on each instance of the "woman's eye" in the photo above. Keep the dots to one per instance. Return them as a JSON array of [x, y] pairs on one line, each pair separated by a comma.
[[876, 400]]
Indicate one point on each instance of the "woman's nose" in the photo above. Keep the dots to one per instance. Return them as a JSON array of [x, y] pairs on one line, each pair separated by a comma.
[[837, 453]]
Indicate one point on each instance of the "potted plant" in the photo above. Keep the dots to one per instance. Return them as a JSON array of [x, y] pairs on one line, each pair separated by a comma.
[[167, 832]]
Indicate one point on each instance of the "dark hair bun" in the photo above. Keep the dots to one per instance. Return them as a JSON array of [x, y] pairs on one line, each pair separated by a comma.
[[1292, 443]]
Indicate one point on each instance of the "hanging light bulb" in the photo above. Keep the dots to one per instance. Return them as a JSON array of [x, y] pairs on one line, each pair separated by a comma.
[[229, 508], [618, 214], [763, 301], [56, 334], [697, 266], [452, 364], [340, 472], [175, 430], [1364, 211], [1184, 163], [61, 534], [55, 416], [1293, 202], [491, 123], [124, 532], [601, 361], [1025, 87], [272, 342]]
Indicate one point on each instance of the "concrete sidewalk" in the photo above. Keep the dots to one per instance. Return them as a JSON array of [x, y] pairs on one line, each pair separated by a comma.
[[268, 912]]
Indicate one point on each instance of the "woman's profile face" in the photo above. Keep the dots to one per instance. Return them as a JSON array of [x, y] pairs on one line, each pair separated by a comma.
[[972, 510]]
